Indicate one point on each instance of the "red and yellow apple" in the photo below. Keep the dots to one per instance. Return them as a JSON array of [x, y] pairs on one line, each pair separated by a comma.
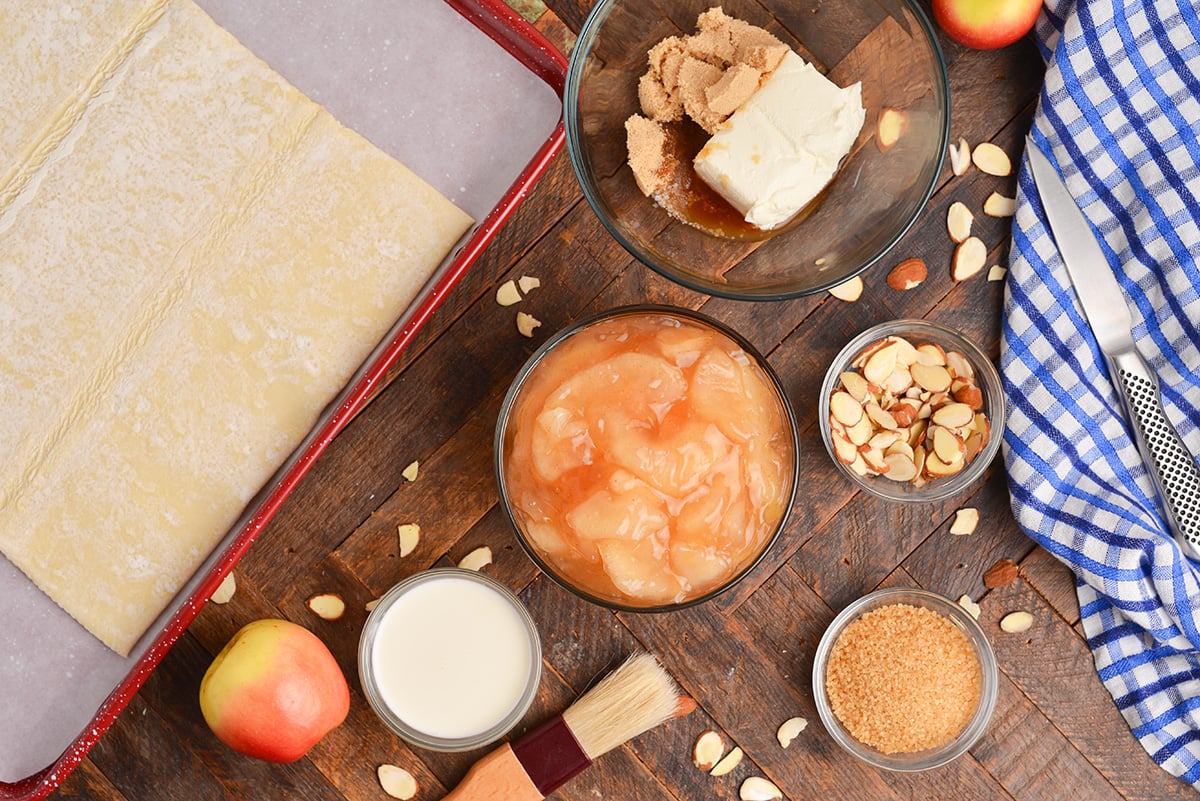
[[986, 24], [274, 691]]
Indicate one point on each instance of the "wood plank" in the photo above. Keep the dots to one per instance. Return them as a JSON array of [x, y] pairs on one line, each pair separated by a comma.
[[87, 783], [1052, 666], [1054, 581]]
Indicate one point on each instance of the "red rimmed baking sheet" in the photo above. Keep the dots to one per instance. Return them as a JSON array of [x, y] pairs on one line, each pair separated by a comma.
[[464, 92]]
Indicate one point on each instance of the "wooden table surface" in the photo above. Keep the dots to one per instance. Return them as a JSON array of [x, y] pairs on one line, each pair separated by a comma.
[[745, 657]]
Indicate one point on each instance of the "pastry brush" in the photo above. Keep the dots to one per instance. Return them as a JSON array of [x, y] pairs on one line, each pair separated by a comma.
[[634, 698]]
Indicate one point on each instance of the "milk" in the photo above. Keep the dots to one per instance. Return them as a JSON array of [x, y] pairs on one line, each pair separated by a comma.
[[453, 656]]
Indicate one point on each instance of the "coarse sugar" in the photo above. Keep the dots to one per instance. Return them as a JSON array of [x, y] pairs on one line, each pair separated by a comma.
[[903, 678]]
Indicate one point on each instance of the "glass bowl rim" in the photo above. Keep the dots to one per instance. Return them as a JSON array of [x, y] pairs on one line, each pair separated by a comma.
[[988, 692], [535, 359], [393, 721], [572, 123], [990, 383]]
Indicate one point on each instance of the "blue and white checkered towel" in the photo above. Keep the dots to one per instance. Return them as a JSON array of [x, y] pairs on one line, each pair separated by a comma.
[[1120, 116]]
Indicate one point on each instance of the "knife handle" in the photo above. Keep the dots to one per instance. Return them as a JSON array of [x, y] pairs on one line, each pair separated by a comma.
[[1172, 468]]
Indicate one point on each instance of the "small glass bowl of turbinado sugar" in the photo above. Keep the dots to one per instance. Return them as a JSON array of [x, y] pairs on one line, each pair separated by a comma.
[[905, 679], [908, 411]]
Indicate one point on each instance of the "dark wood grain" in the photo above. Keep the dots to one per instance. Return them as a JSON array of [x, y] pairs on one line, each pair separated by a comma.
[[745, 657]]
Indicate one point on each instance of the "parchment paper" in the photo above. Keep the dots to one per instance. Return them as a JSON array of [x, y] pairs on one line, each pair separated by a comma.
[[421, 83]]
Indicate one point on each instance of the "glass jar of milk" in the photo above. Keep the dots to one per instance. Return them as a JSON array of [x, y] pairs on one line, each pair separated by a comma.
[[450, 659]]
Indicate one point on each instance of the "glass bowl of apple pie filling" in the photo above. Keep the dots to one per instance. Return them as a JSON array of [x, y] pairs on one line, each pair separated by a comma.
[[764, 155], [646, 457]]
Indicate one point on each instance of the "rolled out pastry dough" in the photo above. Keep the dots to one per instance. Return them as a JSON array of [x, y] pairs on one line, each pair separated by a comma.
[[191, 267]]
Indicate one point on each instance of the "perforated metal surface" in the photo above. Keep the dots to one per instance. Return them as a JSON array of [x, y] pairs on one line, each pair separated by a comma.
[[1178, 476]]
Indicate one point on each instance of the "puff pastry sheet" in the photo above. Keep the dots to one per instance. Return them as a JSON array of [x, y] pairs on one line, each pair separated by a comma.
[[194, 260]]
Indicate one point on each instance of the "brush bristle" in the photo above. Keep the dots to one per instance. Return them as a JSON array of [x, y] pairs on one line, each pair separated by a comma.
[[632, 699]]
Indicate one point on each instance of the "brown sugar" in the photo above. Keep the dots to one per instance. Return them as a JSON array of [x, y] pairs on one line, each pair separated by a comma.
[[648, 155], [903, 678]]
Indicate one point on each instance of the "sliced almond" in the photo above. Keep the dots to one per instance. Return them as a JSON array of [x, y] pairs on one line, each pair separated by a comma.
[[972, 608], [409, 473], [409, 534], [969, 258], [901, 447], [883, 440], [958, 221], [899, 381], [997, 205], [756, 788], [960, 157], [1016, 622], [965, 521], [890, 126], [996, 273], [526, 323], [881, 364], [932, 377], [907, 274], [856, 385], [727, 763], [845, 409], [527, 283], [859, 466], [477, 559], [708, 750], [845, 450], [369, 606], [948, 447], [875, 460], [900, 467], [879, 417], [959, 366], [931, 353], [225, 590], [936, 467], [789, 729], [861, 432], [327, 605], [507, 294], [970, 395], [848, 291], [953, 415], [397, 782], [991, 159], [1001, 574]]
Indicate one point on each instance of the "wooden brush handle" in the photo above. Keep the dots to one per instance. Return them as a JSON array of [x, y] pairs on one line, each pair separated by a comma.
[[496, 777]]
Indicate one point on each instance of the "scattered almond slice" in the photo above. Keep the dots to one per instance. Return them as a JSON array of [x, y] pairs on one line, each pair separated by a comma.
[[891, 125], [727, 763], [408, 534], [527, 283], [972, 608], [958, 221], [997, 205], [327, 605], [507, 294], [225, 590], [848, 291], [969, 258], [907, 274], [991, 159], [756, 788], [1001, 574], [708, 750], [409, 473], [960, 157], [1016, 622], [369, 606], [965, 521], [996, 273], [845, 409], [789, 729], [397, 782], [526, 323], [477, 559]]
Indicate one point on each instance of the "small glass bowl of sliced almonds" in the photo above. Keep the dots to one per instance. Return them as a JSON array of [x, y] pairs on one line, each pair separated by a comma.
[[912, 411]]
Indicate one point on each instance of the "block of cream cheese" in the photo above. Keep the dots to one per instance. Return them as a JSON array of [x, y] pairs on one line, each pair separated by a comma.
[[780, 149]]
